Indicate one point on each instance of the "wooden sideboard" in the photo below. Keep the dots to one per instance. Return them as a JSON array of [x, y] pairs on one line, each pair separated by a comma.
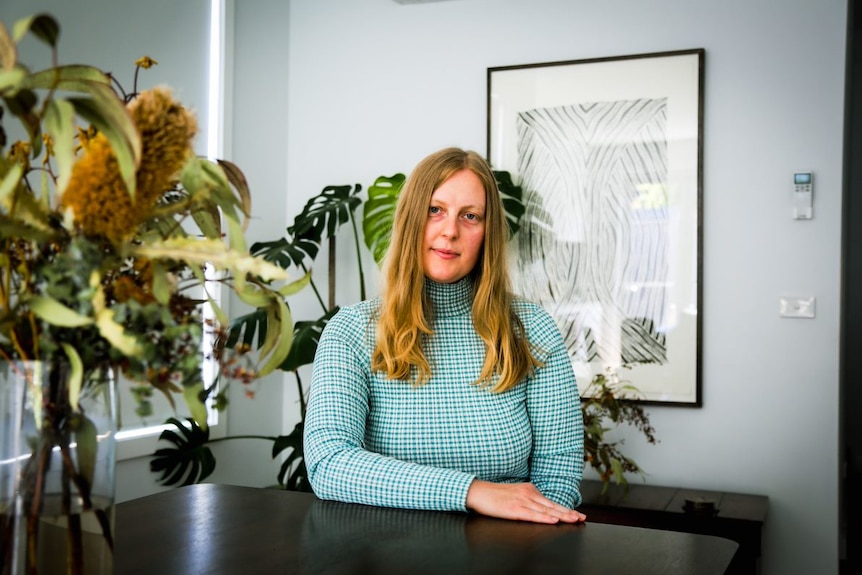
[[739, 517]]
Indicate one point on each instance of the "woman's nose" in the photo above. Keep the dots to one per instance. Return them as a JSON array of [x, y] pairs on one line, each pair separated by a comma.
[[450, 227]]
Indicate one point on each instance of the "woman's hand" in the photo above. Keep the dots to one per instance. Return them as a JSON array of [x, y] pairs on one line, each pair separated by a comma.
[[520, 501]]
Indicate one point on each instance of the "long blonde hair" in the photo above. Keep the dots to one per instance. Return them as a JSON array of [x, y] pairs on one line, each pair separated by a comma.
[[405, 314]]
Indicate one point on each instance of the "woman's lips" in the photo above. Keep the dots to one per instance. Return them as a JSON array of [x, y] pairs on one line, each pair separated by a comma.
[[446, 254]]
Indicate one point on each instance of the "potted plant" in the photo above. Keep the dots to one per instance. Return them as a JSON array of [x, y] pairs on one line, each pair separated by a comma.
[[608, 403], [113, 236]]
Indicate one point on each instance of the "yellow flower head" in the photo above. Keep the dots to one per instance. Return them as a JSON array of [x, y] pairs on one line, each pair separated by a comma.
[[167, 130], [84, 137], [145, 62], [20, 152], [96, 195]]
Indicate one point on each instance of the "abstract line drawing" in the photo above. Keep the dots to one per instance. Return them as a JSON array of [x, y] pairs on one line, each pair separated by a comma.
[[608, 153], [592, 255]]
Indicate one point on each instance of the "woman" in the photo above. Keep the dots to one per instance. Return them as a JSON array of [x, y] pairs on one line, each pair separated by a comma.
[[447, 392]]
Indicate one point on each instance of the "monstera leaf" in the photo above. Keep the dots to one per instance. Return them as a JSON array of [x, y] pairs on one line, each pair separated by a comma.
[[286, 252], [513, 200], [190, 460], [326, 212], [293, 474], [379, 213], [306, 335], [320, 219]]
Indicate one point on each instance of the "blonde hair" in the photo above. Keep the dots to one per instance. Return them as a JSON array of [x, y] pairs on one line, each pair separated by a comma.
[[405, 314]]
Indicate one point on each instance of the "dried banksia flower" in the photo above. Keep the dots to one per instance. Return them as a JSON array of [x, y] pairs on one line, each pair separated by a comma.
[[167, 130], [96, 194], [100, 203]]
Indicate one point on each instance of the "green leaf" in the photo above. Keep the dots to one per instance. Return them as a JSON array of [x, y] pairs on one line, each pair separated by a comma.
[[19, 201], [208, 219], [116, 334], [56, 313], [11, 80], [278, 341], [60, 123], [286, 253], [70, 78], [201, 252], [605, 458], [208, 184], [43, 27], [197, 408], [86, 436], [190, 460], [236, 237], [161, 283], [297, 479], [222, 192], [512, 197], [379, 214], [106, 111], [254, 294], [306, 335], [220, 314], [326, 212], [617, 468], [292, 441], [295, 286], [9, 184], [12, 228], [321, 217], [76, 375]]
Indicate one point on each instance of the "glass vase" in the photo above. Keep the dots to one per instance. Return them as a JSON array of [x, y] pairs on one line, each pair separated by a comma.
[[57, 460]]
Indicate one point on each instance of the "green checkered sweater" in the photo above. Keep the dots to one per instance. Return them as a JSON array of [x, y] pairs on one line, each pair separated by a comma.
[[372, 440]]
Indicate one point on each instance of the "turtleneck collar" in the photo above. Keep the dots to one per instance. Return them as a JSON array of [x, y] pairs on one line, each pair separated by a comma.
[[450, 299]]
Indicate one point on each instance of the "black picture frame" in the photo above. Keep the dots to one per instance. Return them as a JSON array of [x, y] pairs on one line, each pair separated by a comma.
[[609, 153]]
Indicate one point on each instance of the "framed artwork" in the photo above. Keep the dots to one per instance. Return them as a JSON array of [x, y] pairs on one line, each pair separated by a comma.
[[609, 154]]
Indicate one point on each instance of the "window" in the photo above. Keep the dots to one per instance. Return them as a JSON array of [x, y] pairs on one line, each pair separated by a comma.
[[205, 25]]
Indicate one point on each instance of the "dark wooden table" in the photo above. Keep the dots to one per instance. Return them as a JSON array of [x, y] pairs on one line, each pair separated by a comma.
[[738, 516], [212, 529]]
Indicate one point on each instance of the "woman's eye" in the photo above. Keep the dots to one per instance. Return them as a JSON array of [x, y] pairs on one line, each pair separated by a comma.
[[472, 217], [433, 210]]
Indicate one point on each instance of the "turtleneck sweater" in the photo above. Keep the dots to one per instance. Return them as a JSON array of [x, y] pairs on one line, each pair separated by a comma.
[[390, 443]]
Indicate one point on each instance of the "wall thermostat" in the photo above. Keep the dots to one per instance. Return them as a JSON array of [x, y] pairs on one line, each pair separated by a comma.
[[803, 192]]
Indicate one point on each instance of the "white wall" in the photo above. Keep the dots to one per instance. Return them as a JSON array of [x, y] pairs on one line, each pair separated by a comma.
[[373, 86]]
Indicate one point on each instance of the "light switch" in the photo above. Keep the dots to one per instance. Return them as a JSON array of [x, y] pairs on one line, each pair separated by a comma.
[[796, 306]]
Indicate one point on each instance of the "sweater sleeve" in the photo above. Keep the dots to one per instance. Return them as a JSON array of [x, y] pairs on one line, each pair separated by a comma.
[[554, 408], [339, 466]]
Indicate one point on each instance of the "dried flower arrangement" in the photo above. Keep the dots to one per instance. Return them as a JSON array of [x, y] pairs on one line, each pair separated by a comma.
[[113, 236]]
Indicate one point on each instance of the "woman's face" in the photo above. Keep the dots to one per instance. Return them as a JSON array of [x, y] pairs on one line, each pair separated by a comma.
[[455, 228]]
